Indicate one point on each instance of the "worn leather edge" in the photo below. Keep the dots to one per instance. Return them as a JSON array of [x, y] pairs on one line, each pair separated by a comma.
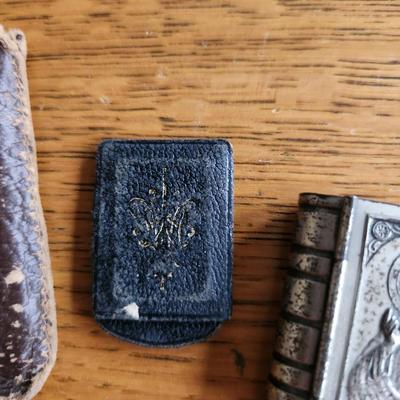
[[179, 342], [14, 41]]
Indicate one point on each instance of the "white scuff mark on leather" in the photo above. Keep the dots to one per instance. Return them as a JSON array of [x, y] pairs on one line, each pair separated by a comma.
[[16, 324], [15, 276], [17, 308], [132, 310]]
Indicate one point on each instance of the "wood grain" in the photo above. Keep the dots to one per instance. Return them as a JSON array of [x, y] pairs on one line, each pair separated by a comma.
[[306, 91]]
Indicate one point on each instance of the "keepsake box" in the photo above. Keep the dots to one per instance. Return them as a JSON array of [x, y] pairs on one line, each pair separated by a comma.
[[163, 239]]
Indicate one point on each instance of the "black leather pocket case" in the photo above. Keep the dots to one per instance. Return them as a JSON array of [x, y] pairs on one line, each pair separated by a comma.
[[163, 239]]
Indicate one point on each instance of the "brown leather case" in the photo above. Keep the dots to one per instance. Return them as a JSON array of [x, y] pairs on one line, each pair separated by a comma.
[[27, 309]]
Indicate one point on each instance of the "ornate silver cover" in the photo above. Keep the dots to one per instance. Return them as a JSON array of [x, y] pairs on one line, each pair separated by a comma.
[[356, 354]]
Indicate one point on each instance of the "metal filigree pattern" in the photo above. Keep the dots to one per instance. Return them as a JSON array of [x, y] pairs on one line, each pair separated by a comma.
[[163, 226], [382, 231]]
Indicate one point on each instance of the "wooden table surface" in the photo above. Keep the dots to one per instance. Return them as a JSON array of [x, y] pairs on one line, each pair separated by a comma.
[[308, 93]]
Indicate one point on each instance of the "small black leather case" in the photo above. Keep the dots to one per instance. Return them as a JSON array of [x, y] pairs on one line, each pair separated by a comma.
[[163, 239]]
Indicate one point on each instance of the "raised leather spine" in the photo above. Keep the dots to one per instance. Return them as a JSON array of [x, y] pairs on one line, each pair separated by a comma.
[[306, 291]]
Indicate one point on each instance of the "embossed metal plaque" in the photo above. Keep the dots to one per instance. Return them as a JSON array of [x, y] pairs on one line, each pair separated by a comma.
[[351, 345]]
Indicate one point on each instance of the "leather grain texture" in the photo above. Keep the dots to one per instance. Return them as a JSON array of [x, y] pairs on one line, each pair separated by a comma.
[[163, 239], [27, 311]]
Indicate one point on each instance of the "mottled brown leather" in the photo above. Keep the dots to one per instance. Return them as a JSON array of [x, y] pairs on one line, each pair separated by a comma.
[[27, 315]]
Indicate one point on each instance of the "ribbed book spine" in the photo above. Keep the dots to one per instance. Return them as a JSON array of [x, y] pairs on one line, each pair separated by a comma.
[[306, 291]]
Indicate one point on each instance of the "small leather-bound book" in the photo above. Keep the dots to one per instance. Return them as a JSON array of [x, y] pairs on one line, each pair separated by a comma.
[[163, 239], [339, 333]]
